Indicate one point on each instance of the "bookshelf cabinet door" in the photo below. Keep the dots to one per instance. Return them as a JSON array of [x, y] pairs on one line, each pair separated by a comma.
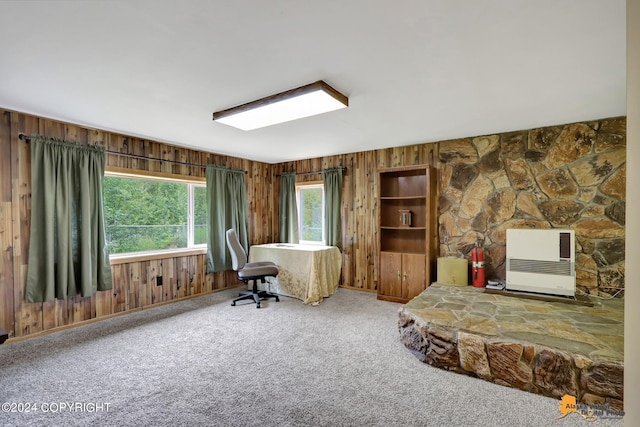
[[390, 274]]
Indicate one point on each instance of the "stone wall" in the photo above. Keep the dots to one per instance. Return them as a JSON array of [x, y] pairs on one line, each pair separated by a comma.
[[570, 176]]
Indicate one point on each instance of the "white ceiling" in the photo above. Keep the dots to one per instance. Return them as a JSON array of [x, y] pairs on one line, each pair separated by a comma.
[[415, 71]]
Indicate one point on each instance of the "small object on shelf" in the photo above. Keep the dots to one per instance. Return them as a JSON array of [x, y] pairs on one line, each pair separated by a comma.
[[495, 284], [405, 218]]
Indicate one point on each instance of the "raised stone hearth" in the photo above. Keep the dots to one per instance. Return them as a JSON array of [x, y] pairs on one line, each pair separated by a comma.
[[549, 348]]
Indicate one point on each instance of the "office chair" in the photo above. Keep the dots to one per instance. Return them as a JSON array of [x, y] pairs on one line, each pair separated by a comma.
[[249, 271]]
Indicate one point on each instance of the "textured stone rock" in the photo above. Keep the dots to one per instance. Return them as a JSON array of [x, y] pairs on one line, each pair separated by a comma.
[[595, 210], [603, 379], [592, 399], [542, 138], [574, 142], [616, 126], [468, 241], [617, 212], [453, 194], [486, 144], [500, 180], [533, 156], [599, 259], [464, 224], [501, 205], [561, 213], [587, 194], [474, 199], [413, 340], [444, 176], [554, 373], [519, 174], [581, 361], [558, 184], [611, 277], [612, 250], [586, 279], [528, 203], [448, 227], [458, 151], [585, 262], [528, 353], [593, 170], [444, 204], [462, 175], [442, 348], [505, 363], [602, 199], [495, 259], [490, 162], [512, 145], [598, 228], [587, 246], [614, 186], [479, 222], [611, 135], [473, 357], [615, 404]]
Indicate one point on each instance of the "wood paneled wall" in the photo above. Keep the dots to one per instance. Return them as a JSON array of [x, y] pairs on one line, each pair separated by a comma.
[[185, 276], [134, 285], [359, 203]]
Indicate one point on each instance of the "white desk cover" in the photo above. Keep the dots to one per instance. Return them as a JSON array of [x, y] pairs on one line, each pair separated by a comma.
[[306, 272]]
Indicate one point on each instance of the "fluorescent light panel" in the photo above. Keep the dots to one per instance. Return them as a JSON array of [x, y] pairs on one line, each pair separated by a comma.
[[305, 101]]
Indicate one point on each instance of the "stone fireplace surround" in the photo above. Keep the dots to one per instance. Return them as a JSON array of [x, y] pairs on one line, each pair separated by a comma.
[[548, 348], [568, 176]]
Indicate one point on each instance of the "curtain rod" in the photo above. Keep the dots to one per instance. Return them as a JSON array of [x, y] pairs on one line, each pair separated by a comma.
[[27, 139], [344, 169]]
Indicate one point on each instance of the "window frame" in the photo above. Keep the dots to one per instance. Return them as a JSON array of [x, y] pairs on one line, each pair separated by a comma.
[[112, 171], [311, 184]]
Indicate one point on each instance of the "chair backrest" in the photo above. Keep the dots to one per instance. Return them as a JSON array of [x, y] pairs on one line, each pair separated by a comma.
[[238, 255]]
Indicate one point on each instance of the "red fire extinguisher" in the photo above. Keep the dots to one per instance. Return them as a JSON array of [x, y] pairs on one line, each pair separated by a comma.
[[477, 266]]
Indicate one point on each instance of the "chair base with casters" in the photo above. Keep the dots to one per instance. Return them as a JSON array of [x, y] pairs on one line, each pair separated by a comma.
[[255, 294]]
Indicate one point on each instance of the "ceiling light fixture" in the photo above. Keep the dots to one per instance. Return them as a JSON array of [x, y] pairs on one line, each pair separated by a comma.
[[305, 101]]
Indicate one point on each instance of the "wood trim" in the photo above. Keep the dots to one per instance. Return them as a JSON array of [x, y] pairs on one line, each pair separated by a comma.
[[150, 256], [145, 174], [110, 316]]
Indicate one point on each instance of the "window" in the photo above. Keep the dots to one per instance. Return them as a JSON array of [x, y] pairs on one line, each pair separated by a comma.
[[310, 200], [150, 213]]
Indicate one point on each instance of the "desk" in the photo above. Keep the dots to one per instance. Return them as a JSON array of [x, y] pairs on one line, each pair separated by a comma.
[[306, 272]]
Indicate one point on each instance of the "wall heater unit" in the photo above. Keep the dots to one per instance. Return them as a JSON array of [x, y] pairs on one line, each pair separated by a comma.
[[541, 261]]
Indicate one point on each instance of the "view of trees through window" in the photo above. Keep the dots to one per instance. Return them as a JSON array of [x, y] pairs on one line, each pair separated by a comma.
[[147, 215], [311, 212]]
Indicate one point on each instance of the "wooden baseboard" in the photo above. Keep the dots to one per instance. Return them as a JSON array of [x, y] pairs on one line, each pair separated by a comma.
[[109, 316], [353, 288]]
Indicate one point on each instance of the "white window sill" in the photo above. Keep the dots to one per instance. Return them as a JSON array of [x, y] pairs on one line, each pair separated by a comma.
[[148, 256]]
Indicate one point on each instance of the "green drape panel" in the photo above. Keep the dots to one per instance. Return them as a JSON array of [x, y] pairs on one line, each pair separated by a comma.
[[226, 208], [288, 209], [332, 179], [67, 247]]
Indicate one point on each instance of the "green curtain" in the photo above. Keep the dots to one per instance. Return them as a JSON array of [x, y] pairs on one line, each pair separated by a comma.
[[288, 209], [226, 208], [67, 247], [332, 179]]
